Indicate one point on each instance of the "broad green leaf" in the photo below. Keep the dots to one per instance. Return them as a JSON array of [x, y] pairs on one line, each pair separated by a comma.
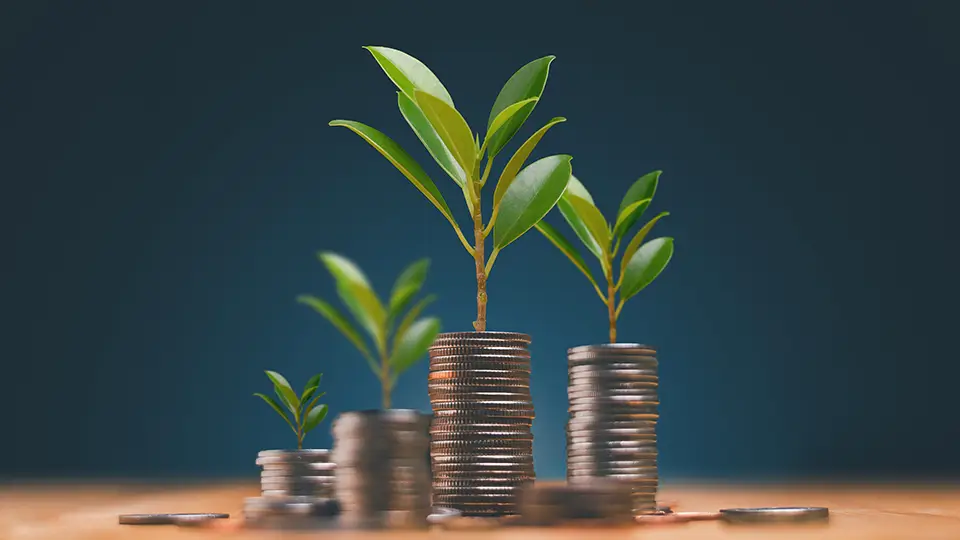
[[428, 136], [628, 216], [275, 406], [645, 265], [410, 317], [414, 343], [520, 107], [532, 194], [516, 162], [408, 73], [408, 284], [566, 247], [339, 321], [286, 403], [284, 388], [528, 82], [644, 188], [451, 127], [576, 190], [305, 397], [313, 401], [638, 238], [313, 382], [314, 417], [357, 294], [402, 161], [593, 221]]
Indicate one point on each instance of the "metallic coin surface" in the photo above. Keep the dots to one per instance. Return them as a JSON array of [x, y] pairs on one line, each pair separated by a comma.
[[164, 519], [774, 514]]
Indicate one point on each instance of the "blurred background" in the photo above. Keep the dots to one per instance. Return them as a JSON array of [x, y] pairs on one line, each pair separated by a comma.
[[168, 175]]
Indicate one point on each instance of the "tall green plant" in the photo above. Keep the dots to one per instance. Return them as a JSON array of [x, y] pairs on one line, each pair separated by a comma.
[[305, 414], [523, 195], [397, 345], [640, 263]]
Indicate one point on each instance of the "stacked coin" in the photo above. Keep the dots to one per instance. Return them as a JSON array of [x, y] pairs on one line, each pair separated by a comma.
[[382, 478], [611, 432], [296, 473], [481, 441], [600, 501], [295, 485]]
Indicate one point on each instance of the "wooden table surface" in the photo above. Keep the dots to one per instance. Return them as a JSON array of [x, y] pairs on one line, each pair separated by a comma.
[[82, 512]]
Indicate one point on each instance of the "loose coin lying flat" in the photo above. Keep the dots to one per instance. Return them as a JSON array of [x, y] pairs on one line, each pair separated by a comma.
[[784, 514], [165, 519]]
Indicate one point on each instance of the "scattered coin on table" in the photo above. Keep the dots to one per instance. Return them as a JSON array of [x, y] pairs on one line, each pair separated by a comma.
[[783, 514], [165, 519]]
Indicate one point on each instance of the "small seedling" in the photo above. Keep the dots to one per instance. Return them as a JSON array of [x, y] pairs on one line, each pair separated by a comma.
[[303, 408], [640, 263]]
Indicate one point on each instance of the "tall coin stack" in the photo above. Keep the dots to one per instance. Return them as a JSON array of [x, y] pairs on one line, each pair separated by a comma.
[[481, 443], [382, 478], [612, 429], [295, 484]]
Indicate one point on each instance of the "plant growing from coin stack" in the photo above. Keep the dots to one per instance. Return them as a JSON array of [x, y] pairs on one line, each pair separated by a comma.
[[522, 196], [640, 262], [397, 345], [305, 414]]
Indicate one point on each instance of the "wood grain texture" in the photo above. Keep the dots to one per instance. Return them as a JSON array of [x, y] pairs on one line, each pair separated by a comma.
[[82, 512]]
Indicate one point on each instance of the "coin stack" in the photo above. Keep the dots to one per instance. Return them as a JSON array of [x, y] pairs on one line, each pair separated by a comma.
[[481, 443], [382, 478], [600, 501], [611, 432], [294, 484]]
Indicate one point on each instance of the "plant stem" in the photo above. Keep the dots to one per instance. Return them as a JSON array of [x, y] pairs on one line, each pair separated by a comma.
[[611, 300], [480, 325], [385, 385]]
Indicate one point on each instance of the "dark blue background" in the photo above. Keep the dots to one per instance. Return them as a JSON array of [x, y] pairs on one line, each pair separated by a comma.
[[168, 174]]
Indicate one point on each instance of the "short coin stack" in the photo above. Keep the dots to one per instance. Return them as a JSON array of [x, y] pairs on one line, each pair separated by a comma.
[[611, 432], [294, 484], [481, 441], [382, 478]]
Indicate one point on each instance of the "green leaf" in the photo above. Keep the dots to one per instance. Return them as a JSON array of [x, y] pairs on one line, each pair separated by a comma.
[[402, 161], [638, 238], [313, 382], [357, 294], [451, 127], [410, 317], [564, 245], [532, 194], [409, 74], [593, 221], [275, 406], [339, 321], [408, 284], [414, 343], [314, 417], [577, 189], [645, 265], [431, 141], [628, 216], [513, 166], [528, 82], [520, 107], [284, 389], [644, 188]]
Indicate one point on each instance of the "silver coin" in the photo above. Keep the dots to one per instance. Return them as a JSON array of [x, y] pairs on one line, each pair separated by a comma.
[[285, 474], [612, 347], [164, 519], [297, 455], [774, 514]]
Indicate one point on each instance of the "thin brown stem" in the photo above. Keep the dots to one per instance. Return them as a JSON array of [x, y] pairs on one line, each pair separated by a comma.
[[480, 325], [385, 384], [611, 310]]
